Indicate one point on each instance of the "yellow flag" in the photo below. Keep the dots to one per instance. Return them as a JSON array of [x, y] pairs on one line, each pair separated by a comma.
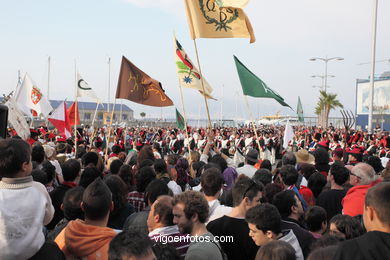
[[218, 19]]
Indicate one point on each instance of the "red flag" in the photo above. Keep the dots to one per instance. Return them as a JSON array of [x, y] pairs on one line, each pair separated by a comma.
[[59, 118], [73, 113]]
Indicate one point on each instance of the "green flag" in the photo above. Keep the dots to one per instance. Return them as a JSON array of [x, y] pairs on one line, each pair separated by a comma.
[[255, 87], [179, 120], [300, 111]]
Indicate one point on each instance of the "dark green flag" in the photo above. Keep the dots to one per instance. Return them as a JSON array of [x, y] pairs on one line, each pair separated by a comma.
[[300, 111], [255, 87], [179, 120]]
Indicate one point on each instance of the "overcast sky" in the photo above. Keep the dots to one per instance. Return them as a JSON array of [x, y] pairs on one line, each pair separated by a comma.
[[288, 34]]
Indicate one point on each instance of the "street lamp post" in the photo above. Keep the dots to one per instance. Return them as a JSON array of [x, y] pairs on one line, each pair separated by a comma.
[[372, 80], [326, 60], [325, 79], [324, 86]]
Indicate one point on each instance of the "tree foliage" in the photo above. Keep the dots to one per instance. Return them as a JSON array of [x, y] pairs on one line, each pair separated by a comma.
[[326, 103]]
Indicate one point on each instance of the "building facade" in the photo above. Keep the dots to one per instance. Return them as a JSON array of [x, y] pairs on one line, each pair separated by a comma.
[[122, 113], [381, 105]]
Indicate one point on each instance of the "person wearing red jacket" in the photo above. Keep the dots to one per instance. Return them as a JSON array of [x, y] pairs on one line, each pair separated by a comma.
[[361, 178]]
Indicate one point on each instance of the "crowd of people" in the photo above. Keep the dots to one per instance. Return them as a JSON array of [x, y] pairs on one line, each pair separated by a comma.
[[224, 193]]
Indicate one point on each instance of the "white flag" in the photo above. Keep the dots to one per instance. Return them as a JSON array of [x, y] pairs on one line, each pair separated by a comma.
[[189, 75], [17, 120], [84, 90], [30, 96], [288, 134], [22, 107]]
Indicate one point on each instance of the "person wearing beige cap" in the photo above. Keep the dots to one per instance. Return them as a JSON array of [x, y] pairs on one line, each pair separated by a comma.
[[303, 156], [50, 153]]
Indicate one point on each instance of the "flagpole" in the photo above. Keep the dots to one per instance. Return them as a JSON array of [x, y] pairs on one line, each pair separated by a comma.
[[18, 85], [199, 116], [185, 116], [76, 110], [221, 120], [48, 86], [251, 119], [109, 83], [94, 115], [48, 79], [201, 79], [109, 130], [120, 114]]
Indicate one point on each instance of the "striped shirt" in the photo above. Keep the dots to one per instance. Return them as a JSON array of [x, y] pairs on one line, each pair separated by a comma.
[[171, 233], [136, 199]]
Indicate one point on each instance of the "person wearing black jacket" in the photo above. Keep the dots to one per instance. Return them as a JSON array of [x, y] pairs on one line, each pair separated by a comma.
[[70, 171], [291, 210], [375, 244]]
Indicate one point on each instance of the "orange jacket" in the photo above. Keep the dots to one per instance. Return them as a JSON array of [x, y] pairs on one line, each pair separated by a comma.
[[78, 240]]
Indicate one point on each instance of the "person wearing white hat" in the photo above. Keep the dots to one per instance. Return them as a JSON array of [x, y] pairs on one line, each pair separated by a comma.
[[50, 153]]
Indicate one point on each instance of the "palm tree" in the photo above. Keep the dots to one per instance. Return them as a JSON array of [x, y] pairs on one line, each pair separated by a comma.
[[325, 104]]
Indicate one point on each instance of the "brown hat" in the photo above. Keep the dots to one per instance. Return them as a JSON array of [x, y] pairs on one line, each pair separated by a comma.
[[303, 156]]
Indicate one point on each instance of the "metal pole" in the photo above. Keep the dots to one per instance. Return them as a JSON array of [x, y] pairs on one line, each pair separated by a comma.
[[48, 86], [48, 79], [109, 84], [221, 120], [121, 112], [237, 95], [372, 79], [326, 74], [203, 89], [324, 119]]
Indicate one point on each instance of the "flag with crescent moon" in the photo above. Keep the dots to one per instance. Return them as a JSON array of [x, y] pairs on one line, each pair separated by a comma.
[[135, 85], [84, 90]]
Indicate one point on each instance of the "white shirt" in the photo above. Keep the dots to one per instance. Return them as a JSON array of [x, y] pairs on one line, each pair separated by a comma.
[[216, 210], [175, 188], [164, 231], [247, 170], [56, 164], [248, 142], [224, 143], [25, 207], [293, 241]]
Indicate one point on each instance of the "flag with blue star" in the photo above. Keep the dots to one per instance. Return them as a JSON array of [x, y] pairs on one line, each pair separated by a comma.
[[188, 74]]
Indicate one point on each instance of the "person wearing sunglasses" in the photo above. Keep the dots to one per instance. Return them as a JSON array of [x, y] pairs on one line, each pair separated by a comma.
[[361, 178], [246, 195]]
